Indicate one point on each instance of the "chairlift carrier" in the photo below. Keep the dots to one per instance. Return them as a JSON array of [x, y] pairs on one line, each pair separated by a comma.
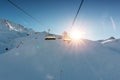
[[66, 37], [50, 36]]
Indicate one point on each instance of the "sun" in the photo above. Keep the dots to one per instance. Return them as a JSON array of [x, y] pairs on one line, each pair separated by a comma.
[[75, 34]]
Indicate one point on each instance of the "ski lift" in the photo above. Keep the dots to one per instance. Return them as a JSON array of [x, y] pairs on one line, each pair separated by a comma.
[[66, 37], [50, 36]]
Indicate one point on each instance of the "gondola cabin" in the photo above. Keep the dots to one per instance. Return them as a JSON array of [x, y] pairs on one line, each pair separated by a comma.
[[66, 37], [50, 37]]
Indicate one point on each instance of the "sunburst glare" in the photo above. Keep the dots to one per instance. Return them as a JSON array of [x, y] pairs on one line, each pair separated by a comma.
[[76, 34]]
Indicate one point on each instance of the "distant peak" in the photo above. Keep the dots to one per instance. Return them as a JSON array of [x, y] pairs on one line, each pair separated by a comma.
[[112, 37]]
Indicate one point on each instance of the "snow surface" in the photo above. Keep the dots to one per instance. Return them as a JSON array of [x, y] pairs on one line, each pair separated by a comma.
[[10, 31], [33, 58]]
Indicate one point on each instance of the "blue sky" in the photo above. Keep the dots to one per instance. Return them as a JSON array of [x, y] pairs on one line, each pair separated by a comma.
[[99, 19]]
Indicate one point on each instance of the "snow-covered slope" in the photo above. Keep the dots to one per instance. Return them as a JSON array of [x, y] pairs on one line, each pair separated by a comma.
[[34, 58], [107, 40], [113, 45], [10, 31]]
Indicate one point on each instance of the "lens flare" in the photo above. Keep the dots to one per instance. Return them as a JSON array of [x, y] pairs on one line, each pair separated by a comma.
[[75, 34]]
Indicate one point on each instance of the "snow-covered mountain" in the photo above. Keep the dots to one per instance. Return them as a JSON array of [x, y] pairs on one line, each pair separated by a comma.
[[10, 31], [6, 25], [107, 40], [33, 58]]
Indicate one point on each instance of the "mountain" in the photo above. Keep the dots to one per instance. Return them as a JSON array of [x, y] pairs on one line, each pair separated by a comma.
[[6, 25], [10, 31], [107, 40], [33, 58]]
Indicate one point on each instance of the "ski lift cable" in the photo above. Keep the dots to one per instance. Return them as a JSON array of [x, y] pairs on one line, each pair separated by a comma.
[[18, 7], [77, 13]]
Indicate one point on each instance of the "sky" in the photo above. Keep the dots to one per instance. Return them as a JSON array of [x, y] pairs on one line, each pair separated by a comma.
[[98, 19]]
